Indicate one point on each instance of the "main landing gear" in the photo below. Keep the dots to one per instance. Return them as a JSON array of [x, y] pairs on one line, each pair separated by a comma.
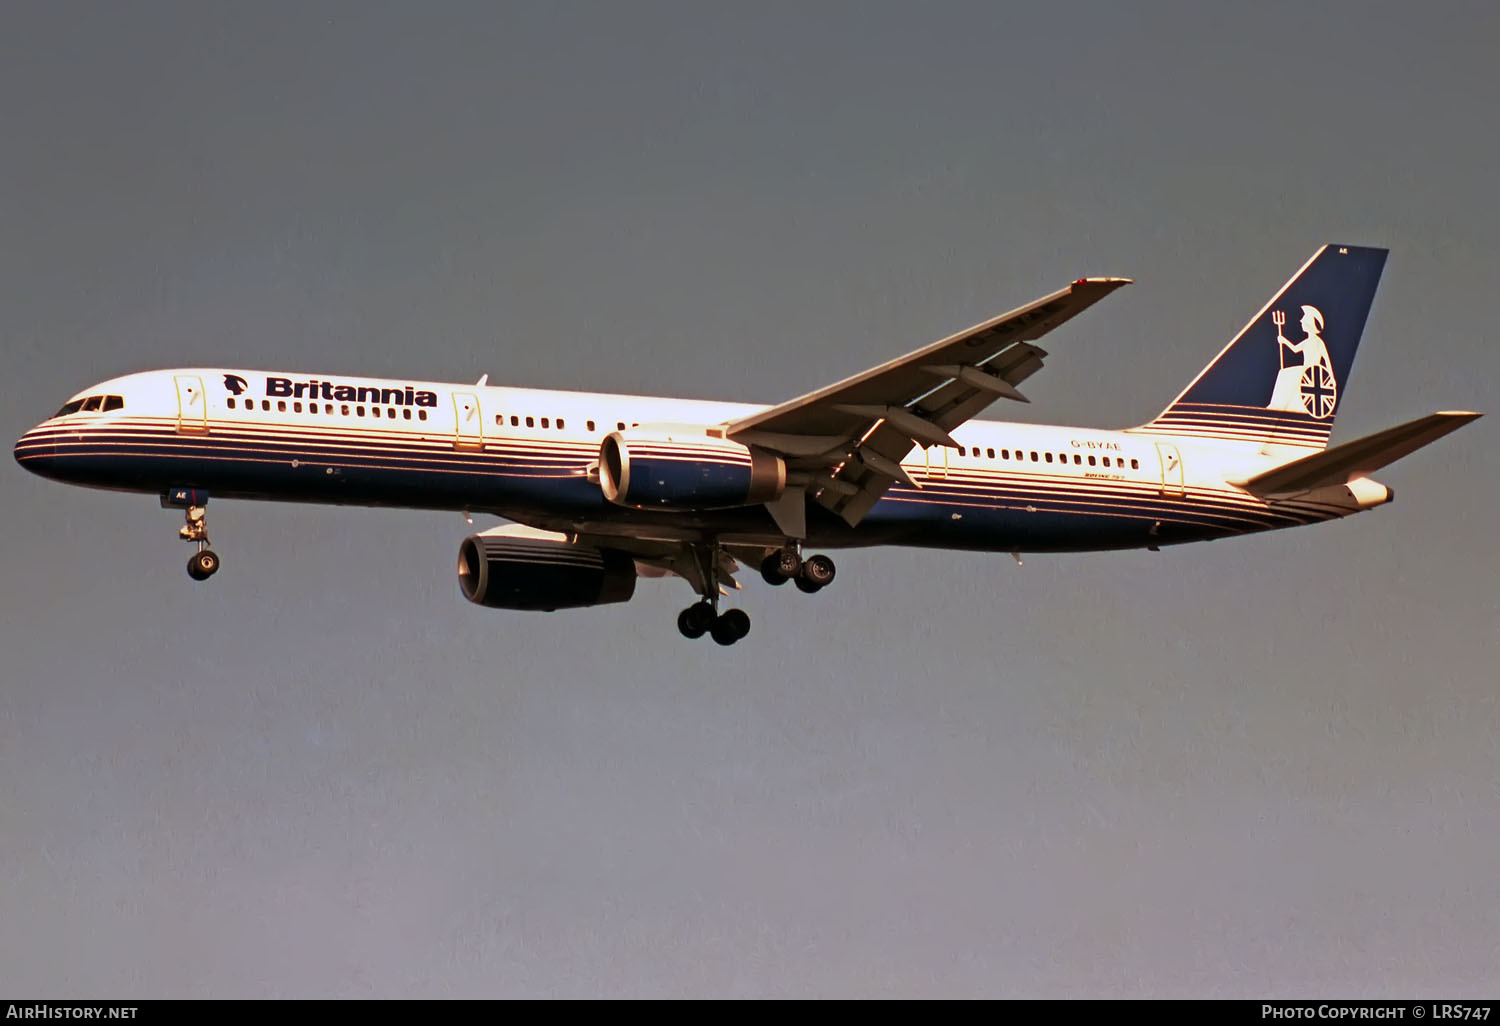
[[703, 617], [205, 562], [811, 574]]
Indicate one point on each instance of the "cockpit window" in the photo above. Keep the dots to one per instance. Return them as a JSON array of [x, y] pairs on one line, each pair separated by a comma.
[[93, 404]]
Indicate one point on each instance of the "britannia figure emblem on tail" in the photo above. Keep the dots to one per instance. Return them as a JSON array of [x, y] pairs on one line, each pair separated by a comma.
[[1307, 383]]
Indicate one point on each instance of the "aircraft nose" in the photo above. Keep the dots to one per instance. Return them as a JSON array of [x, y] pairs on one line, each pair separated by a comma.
[[34, 452]]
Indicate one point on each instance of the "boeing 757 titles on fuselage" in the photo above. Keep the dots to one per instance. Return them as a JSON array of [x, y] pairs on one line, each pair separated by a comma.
[[604, 489]]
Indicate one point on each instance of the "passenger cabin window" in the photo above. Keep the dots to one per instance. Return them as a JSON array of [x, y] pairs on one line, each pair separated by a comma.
[[559, 423], [1048, 455], [544, 422], [1034, 457], [296, 407], [406, 413], [990, 453], [620, 426], [281, 406], [1135, 464], [1077, 459], [591, 425], [421, 414], [229, 402], [530, 422], [1106, 461], [1091, 461]]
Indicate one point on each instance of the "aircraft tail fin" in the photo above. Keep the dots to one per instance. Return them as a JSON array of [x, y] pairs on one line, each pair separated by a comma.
[[1281, 380], [1353, 460]]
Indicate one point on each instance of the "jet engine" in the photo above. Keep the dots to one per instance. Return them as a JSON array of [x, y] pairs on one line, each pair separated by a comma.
[[668, 469], [520, 568]]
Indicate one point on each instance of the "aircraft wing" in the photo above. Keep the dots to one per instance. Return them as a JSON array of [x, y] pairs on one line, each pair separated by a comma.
[[845, 443]]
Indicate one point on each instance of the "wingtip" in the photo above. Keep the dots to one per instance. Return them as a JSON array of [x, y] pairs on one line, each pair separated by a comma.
[[1104, 281]]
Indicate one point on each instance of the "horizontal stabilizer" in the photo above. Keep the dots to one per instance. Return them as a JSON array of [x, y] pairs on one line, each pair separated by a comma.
[[1344, 463]]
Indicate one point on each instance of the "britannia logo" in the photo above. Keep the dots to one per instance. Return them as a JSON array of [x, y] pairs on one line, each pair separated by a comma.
[[235, 383], [1306, 378]]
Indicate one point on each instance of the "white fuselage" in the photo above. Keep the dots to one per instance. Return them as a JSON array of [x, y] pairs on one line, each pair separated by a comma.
[[531, 455]]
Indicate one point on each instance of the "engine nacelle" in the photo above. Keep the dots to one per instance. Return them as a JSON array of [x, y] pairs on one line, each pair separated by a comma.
[[519, 568], [686, 469]]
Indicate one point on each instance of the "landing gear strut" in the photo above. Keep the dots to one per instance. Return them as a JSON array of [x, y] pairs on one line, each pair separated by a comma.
[[703, 617], [205, 562]]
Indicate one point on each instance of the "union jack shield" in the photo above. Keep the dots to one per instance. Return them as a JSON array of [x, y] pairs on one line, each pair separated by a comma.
[[1320, 393]]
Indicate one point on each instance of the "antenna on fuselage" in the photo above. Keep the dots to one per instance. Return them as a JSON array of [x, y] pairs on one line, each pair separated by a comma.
[[483, 379]]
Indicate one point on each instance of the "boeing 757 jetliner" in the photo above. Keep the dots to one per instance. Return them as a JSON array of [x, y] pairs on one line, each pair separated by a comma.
[[604, 489]]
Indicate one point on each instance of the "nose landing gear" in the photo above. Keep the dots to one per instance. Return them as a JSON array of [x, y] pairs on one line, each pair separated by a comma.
[[205, 562]]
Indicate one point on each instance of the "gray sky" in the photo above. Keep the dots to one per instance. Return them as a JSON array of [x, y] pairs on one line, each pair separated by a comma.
[[1266, 767]]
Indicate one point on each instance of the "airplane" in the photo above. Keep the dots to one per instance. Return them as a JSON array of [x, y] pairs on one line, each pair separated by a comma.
[[602, 490]]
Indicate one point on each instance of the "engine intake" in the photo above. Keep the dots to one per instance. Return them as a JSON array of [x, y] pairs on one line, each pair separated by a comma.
[[686, 471], [506, 569]]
